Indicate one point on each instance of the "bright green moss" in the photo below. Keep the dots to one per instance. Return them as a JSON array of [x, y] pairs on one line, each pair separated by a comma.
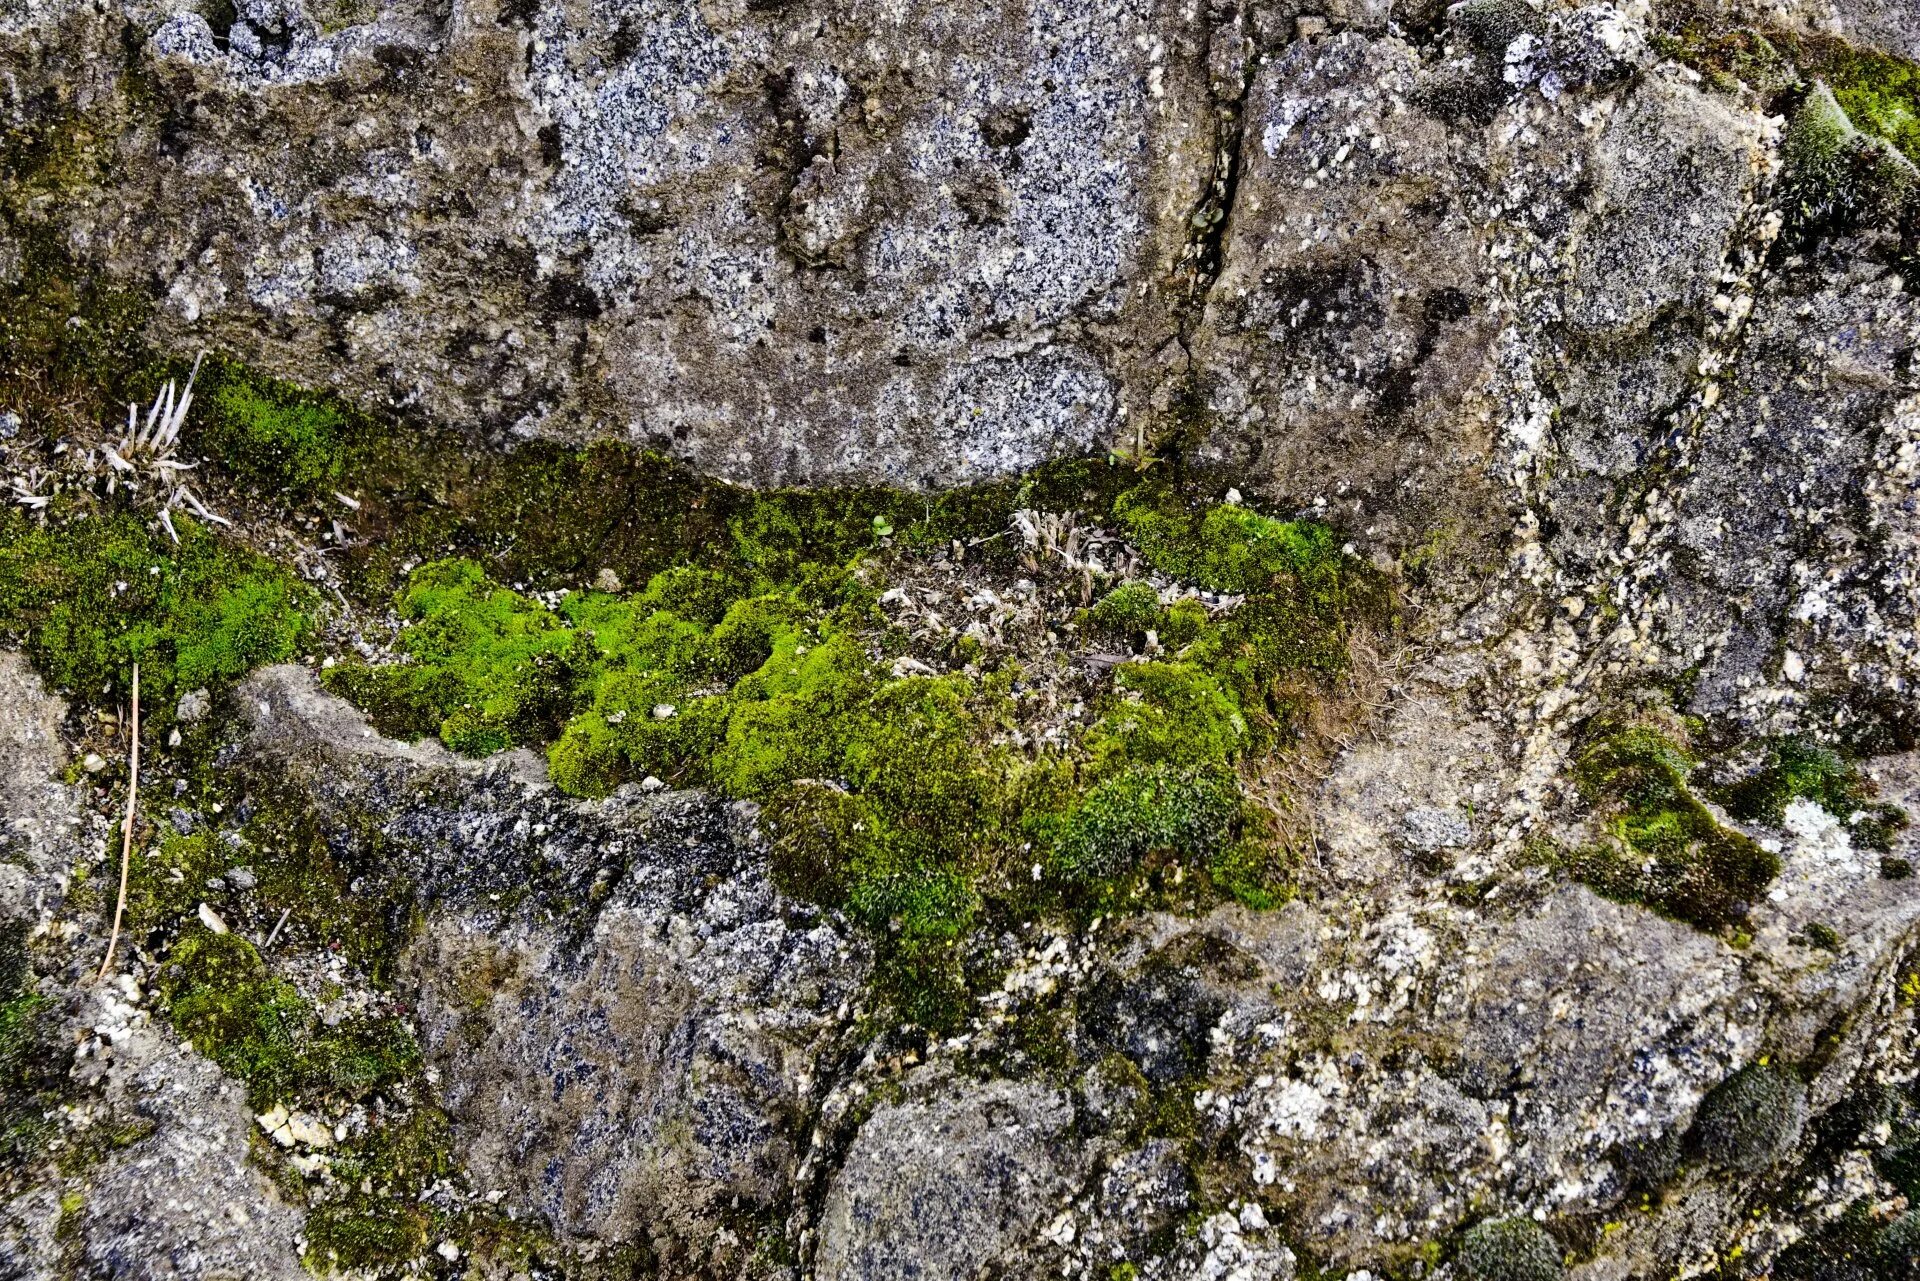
[[1227, 547], [1169, 713], [1835, 173], [221, 996], [92, 595], [488, 667], [1130, 608], [892, 797], [1182, 623], [1795, 768], [1662, 846], [1879, 93], [271, 433]]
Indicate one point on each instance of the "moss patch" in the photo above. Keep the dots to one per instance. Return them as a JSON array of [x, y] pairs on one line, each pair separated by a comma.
[[1508, 1250], [92, 594], [270, 433], [33, 1063], [1662, 846], [898, 798], [1799, 769], [221, 996]]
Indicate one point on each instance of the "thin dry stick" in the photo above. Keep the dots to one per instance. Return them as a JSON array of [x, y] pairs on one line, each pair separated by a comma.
[[285, 912], [126, 839]]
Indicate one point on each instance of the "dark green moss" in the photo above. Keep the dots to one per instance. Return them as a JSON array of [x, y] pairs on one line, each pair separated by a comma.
[[1857, 1246], [1662, 847], [221, 996], [33, 1062], [1823, 936], [93, 594], [1796, 769], [1123, 819], [1751, 1120], [373, 1217]]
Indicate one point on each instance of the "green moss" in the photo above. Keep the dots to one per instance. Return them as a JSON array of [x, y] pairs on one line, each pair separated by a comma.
[[889, 797], [1508, 1250], [1797, 769], [1168, 713], [33, 1062], [271, 433], [487, 667], [358, 1232], [1859, 1245], [221, 996], [1663, 847], [1227, 547], [1130, 608], [1836, 174], [91, 595], [374, 1219], [1879, 93], [1122, 820], [1751, 1120]]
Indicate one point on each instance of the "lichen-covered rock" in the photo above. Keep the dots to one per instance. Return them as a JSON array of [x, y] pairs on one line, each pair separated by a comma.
[[948, 1185], [1592, 326], [636, 1069]]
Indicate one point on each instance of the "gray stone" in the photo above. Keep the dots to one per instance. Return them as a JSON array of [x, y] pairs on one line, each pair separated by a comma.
[[945, 1187]]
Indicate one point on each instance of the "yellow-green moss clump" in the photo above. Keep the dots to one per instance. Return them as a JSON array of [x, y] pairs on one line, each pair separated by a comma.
[[92, 594], [271, 433], [897, 798], [1662, 846]]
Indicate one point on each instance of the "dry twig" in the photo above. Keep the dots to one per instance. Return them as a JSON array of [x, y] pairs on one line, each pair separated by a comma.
[[126, 839]]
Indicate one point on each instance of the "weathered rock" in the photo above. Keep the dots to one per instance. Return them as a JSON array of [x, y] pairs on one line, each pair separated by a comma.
[[173, 1195], [629, 1026], [948, 1186]]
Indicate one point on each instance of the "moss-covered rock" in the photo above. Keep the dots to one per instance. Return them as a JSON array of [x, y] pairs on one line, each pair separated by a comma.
[[1799, 769], [1508, 1250], [1751, 1120], [1837, 174], [221, 996], [1662, 846]]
